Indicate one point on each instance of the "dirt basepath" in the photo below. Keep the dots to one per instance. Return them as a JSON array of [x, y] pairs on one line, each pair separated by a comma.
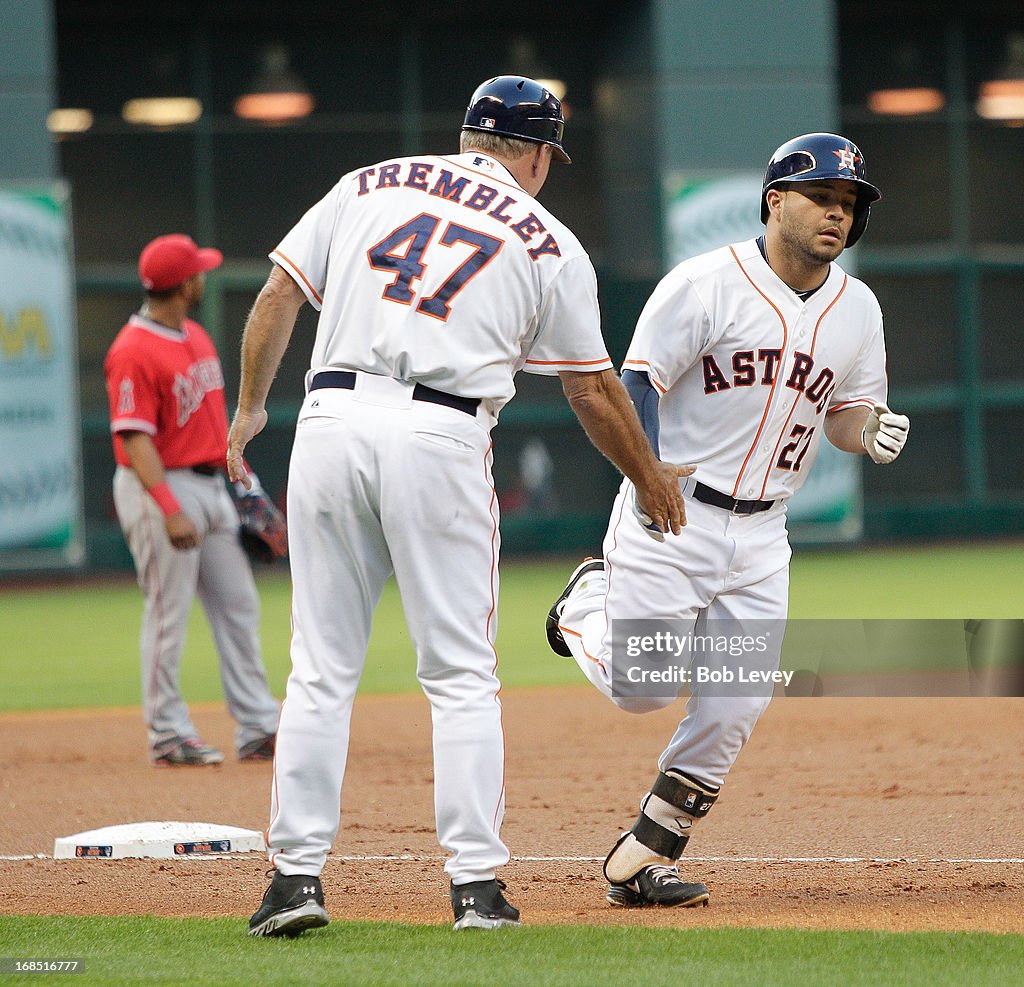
[[843, 813]]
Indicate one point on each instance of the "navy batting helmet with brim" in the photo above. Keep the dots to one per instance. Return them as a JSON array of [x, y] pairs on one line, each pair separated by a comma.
[[514, 106], [822, 158]]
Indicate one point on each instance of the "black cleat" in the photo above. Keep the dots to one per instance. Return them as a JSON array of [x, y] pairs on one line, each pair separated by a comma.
[[555, 639], [481, 905], [260, 749], [192, 752], [292, 904], [657, 885]]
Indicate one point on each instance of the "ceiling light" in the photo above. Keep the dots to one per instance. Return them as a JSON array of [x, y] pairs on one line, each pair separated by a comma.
[[555, 86], [164, 111], [910, 83], [1002, 98], [906, 102], [68, 120], [277, 95]]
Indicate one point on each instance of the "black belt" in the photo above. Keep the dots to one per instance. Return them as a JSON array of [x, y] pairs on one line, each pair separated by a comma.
[[708, 495], [346, 380], [205, 469]]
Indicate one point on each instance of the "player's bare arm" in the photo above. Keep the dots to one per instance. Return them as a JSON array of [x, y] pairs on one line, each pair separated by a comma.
[[267, 333], [843, 428], [607, 415], [877, 431], [149, 468]]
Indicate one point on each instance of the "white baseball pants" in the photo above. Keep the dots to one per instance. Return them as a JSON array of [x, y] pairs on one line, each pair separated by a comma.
[[380, 483], [723, 567]]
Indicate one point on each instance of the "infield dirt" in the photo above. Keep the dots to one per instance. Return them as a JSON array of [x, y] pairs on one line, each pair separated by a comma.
[[842, 813]]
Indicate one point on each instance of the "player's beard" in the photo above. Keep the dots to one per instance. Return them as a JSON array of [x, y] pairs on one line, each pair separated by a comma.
[[194, 292], [804, 247]]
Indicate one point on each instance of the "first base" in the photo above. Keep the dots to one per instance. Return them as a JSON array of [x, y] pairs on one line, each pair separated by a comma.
[[158, 840]]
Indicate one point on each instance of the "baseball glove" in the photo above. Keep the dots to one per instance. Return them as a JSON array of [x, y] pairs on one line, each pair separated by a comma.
[[262, 527]]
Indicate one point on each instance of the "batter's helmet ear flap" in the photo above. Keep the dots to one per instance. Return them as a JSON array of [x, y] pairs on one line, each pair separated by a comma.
[[514, 106], [817, 158]]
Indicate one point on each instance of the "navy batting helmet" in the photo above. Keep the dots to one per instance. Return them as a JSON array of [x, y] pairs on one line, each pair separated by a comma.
[[514, 106], [819, 158]]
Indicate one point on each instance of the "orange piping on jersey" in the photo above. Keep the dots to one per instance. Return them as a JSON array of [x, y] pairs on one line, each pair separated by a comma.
[[775, 451], [650, 376], [590, 657], [796, 400], [608, 566], [295, 267], [828, 308], [487, 627], [569, 363], [852, 403], [274, 787], [586, 654], [274, 790], [771, 393]]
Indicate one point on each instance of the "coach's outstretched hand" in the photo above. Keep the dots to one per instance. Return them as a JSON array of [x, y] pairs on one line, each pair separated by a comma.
[[658, 504]]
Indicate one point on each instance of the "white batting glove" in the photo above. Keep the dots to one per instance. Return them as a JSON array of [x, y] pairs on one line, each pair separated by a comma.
[[885, 434], [647, 522]]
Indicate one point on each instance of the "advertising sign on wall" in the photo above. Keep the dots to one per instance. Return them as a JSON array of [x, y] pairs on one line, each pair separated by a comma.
[[40, 447]]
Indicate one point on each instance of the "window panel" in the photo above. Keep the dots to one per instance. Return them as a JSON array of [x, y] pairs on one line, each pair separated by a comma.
[[996, 155], [100, 319], [909, 163], [127, 189], [920, 328], [1002, 305], [1004, 431], [931, 466]]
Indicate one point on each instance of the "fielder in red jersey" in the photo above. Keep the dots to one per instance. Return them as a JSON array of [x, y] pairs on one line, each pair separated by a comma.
[[169, 423]]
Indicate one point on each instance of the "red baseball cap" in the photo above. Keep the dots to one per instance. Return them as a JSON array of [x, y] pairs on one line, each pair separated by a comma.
[[169, 260]]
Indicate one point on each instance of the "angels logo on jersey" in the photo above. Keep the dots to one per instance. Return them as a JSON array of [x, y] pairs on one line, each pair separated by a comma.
[[203, 376], [126, 397]]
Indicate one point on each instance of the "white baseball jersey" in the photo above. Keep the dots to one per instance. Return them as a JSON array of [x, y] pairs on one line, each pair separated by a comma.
[[747, 371], [451, 318], [438, 271]]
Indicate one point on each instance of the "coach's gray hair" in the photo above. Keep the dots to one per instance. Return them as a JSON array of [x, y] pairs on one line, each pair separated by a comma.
[[497, 144]]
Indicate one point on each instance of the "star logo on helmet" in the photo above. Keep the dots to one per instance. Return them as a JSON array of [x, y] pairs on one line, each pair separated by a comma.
[[847, 159]]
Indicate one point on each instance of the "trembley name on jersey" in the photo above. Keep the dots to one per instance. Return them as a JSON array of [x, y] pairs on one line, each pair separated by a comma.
[[474, 195]]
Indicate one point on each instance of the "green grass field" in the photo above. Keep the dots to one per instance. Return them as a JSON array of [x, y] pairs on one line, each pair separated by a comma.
[[77, 646], [212, 952]]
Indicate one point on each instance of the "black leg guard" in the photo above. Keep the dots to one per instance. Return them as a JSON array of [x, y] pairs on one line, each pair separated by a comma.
[[641, 865]]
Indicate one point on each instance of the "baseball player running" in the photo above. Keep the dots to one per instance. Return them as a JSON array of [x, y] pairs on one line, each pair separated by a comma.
[[742, 359], [437, 278], [169, 423]]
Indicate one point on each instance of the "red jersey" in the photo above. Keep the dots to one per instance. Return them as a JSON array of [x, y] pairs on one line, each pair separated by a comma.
[[168, 384]]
